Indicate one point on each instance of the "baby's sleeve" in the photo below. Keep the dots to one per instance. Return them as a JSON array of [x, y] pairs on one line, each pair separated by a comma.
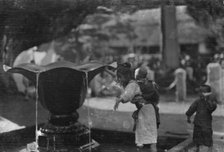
[[131, 90]]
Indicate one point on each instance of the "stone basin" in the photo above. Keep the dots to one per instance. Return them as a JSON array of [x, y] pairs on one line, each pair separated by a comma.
[[61, 88]]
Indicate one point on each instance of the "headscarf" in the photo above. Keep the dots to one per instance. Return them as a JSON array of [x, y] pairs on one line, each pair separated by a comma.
[[124, 68]]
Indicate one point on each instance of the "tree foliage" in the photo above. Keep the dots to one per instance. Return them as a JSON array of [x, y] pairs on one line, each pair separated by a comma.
[[26, 23], [209, 14], [205, 11]]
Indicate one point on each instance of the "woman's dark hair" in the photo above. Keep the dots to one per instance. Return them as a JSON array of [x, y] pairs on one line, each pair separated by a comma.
[[205, 87], [125, 70], [124, 65]]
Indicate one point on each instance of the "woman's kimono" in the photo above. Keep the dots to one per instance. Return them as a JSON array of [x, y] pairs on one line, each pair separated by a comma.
[[146, 128]]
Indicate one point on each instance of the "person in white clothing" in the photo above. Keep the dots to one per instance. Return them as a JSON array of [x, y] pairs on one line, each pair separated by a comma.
[[146, 127]]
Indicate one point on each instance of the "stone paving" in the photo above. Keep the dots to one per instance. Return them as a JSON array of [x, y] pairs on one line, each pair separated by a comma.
[[218, 146]]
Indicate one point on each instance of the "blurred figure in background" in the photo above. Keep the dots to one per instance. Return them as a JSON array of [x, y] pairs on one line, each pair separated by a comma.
[[180, 84]]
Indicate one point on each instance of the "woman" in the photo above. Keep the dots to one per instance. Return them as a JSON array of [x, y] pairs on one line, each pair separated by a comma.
[[146, 129]]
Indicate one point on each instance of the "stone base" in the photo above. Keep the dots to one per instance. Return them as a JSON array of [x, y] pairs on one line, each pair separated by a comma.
[[93, 146], [72, 138]]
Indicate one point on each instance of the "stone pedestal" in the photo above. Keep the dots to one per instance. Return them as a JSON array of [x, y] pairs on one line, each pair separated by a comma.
[[91, 146]]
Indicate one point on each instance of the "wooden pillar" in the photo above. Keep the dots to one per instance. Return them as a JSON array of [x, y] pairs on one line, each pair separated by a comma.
[[170, 46]]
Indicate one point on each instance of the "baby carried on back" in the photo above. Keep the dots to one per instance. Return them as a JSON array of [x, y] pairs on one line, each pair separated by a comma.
[[149, 95]]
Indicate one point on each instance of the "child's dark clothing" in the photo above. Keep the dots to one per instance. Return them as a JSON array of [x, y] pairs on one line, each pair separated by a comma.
[[149, 91], [202, 134], [151, 95]]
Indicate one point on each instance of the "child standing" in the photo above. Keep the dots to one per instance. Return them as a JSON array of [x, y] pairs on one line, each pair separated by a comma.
[[204, 106]]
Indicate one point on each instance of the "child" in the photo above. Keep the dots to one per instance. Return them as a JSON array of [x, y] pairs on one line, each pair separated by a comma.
[[204, 106]]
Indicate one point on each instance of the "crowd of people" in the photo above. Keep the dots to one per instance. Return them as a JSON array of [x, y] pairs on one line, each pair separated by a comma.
[[104, 83], [196, 75], [195, 70], [196, 67]]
